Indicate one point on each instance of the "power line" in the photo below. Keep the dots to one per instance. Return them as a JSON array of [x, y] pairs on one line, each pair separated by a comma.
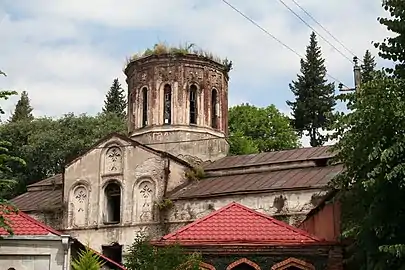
[[274, 37], [316, 32], [326, 30]]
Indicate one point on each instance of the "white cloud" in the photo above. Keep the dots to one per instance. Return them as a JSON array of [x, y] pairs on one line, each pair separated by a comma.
[[60, 52]]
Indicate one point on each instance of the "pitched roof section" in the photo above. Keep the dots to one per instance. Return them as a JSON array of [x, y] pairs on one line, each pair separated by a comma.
[[299, 154], [300, 178], [237, 224], [39, 199], [22, 224], [53, 180]]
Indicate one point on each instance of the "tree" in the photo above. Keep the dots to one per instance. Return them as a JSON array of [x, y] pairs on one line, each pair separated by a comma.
[[47, 144], [115, 100], [372, 150], [6, 173], [368, 67], [142, 255], [23, 109], [87, 260], [256, 129], [314, 102], [393, 48]]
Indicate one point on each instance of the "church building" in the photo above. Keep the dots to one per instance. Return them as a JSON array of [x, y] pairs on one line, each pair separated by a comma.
[[173, 167]]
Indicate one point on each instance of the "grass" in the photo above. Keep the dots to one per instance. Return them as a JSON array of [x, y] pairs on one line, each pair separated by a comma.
[[163, 48]]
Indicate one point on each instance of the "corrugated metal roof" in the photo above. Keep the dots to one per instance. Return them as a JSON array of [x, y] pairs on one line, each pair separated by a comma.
[[298, 154], [315, 177], [53, 180], [37, 200], [236, 223]]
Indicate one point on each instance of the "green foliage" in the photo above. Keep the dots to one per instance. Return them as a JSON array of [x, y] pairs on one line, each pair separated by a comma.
[[314, 102], [368, 67], [165, 204], [7, 160], [239, 144], [144, 256], [47, 144], [115, 100], [23, 109], [87, 260], [195, 173], [254, 129], [162, 48], [393, 47], [372, 149]]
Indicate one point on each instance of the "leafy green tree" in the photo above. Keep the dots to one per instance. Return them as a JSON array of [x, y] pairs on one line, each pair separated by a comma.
[[23, 109], [368, 67], [255, 129], [142, 255], [372, 150], [239, 144], [6, 173], [47, 144], [314, 102], [115, 101], [87, 260], [393, 47]]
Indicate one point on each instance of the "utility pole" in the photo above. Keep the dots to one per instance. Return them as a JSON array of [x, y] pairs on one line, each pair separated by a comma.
[[357, 77]]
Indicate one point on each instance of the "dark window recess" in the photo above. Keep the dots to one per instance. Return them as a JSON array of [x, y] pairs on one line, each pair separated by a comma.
[[144, 107], [113, 252], [193, 104], [113, 203], [214, 112], [167, 112]]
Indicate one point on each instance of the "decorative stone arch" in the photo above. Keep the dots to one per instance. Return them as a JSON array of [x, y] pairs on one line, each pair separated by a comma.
[[243, 260], [206, 266], [143, 94], [143, 195], [113, 158], [293, 262], [79, 203]]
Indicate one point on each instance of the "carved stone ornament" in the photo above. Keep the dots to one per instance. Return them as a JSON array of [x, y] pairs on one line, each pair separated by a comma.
[[166, 74], [194, 75], [113, 160]]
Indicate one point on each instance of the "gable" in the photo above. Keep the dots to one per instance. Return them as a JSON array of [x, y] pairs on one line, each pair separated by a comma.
[[237, 224]]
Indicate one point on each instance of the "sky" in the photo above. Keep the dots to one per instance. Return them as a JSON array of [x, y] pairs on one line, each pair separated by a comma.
[[66, 53]]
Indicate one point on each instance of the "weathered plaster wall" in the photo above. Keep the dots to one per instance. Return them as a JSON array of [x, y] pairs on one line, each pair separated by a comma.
[[32, 254], [180, 72], [142, 177]]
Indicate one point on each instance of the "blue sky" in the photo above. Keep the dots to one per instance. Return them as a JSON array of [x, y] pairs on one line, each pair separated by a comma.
[[66, 53]]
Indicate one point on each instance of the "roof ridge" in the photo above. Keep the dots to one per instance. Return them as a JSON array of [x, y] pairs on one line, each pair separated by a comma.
[[36, 222], [280, 223], [198, 221]]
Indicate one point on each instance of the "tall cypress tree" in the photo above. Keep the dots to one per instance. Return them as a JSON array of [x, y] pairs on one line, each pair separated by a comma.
[[393, 47], [115, 101], [368, 67], [314, 102], [23, 109]]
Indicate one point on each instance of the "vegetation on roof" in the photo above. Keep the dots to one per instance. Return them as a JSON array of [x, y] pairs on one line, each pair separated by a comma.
[[163, 48]]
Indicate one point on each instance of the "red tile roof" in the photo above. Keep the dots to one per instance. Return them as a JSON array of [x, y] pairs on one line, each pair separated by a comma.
[[22, 224], [237, 224]]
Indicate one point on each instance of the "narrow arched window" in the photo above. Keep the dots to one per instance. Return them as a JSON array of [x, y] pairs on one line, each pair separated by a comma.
[[193, 104], [113, 203], [214, 111], [167, 109], [144, 107]]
